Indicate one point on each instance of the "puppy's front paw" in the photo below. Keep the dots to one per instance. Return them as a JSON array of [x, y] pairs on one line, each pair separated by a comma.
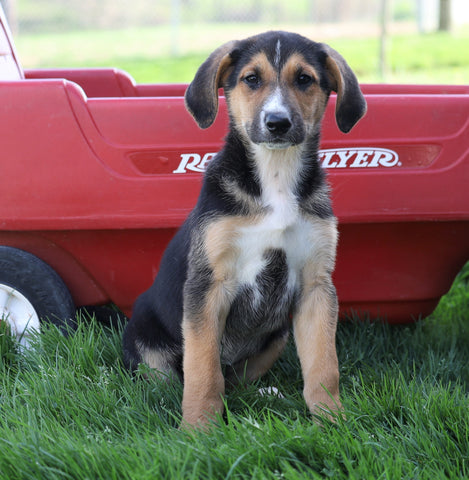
[[325, 405], [199, 413], [323, 400]]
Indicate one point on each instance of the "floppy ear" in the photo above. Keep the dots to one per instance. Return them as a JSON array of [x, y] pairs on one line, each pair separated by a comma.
[[202, 94], [351, 104]]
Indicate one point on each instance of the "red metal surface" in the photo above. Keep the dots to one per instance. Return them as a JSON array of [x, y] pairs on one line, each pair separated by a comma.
[[98, 172]]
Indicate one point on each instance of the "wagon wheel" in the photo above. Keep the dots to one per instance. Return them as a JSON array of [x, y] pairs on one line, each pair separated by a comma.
[[31, 293]]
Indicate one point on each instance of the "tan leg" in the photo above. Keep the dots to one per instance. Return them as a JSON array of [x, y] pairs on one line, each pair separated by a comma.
[[204, 384], [315, 329]]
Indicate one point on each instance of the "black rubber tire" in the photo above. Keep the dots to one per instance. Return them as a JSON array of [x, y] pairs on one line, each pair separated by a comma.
[[40, 284]]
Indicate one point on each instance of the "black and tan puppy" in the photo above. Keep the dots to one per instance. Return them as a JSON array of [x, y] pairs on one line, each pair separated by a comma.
[[256, 254]]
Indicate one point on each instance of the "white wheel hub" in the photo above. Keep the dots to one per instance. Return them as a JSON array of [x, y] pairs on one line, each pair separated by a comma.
[[18, 312]]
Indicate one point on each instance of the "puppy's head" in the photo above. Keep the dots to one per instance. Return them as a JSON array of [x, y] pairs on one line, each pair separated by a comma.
[[277, 85]]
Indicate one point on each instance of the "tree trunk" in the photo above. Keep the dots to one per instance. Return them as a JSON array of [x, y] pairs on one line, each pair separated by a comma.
[[385, 15], [444, 24]]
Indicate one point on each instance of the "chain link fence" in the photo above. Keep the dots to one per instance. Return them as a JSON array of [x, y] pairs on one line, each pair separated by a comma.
[[38, 16], [50, 15]]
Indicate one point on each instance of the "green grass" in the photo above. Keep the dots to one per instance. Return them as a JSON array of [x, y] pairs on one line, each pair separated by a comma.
[[147, 54], [68, 410]]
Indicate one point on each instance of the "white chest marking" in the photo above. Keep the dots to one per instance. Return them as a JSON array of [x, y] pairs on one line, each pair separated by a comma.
[[283, 227], [272, 233]]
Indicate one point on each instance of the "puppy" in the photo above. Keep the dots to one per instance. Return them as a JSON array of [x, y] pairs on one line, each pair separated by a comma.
[[256, 254]]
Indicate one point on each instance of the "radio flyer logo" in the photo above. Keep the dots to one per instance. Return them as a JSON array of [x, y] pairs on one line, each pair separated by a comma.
[[332, 158]]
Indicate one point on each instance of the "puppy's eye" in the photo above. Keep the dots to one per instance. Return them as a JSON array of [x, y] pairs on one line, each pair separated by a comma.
[[252, 80], [304, 80]]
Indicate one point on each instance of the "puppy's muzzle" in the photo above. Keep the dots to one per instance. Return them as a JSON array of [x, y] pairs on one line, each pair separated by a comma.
[[276, 129], [280, 130]]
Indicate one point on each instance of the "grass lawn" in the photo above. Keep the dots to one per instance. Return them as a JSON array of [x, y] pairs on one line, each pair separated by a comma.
[[68, 410]]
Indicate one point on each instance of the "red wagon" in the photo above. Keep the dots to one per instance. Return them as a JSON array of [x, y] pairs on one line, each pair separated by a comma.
[[97, 173]]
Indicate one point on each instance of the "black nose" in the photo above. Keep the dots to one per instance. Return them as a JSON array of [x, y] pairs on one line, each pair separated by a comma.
[[277, 123]]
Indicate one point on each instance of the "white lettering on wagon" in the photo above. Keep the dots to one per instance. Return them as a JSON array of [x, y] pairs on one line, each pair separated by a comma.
[[337, 158], [193, 162], [358, 158]]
